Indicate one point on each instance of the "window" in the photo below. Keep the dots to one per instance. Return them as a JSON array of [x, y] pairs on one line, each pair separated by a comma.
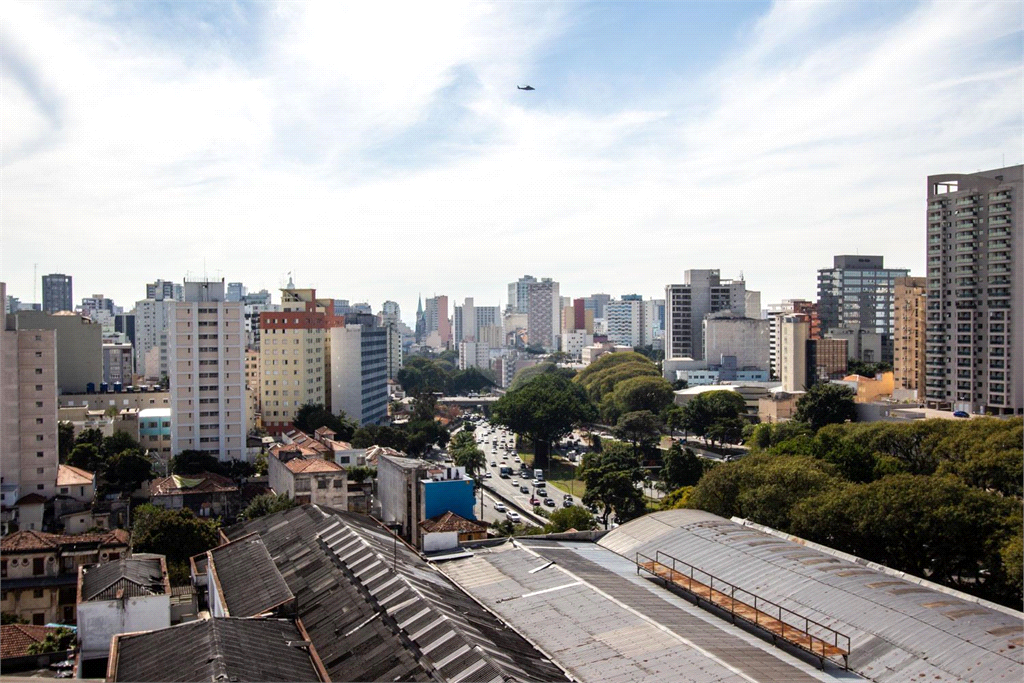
[[39, 420], [39, 470], [39, 387], [39, 404], [38, 566], [39, 619], [37, 593], [3, 568], [39, 437], [39, 454], [64, 489], [39, 371]]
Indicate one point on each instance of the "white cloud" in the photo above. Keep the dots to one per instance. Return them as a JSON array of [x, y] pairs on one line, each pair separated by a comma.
[[800, 145]]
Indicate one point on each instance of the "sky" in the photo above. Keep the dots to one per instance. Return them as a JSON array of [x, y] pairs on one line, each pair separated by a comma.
[[382, 151]]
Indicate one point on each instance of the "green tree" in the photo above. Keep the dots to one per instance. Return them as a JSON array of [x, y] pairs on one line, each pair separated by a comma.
[[194, 462], [261, 465], [118, 443], [91, 435], [380, 435], [612, 479], [267, 504], [705, 410], [528, 374], [641, 429], [9, 618], [672, 415], [826, 404], [178, 534], [312, 416], [59, 640], [65, 440], [681, 468], [472, 459], [126, 471], [469, 380], [543, 410], [359, 474], [573, 517], [763, 488], [86, 456], [727, 430], [643, 393]]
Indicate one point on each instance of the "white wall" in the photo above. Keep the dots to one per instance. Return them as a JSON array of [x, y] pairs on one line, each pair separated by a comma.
[[99, 621], [444, 540]]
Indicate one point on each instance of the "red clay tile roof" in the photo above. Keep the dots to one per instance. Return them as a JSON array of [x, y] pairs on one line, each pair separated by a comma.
[[449, 521], [15, 639], [204, 482], [34, 541], [298, 465], [73, 476]]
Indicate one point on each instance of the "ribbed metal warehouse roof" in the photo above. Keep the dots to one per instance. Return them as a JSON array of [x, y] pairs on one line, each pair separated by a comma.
[[586, 609], [900, 630]]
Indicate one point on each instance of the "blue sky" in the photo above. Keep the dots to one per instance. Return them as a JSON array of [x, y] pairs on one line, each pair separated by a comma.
[[380, 151]]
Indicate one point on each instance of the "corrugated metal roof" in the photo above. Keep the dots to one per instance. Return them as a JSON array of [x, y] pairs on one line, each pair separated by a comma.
[[377, 611], [590, 613], [919, 625], [125, 578], [249, 580]]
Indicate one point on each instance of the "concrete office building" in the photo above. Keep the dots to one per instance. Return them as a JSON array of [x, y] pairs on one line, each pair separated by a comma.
[[57, 295], [653, 322], [124, 323], [975, 335], [544, 317], [776, 312], [253, 305], [596, 303], [359, 372], [236, 292], [864, 345], [28, 412], [118, 364], [206, 359], [686, 305], [294, 356], [744, 338], [464, 321], [858, 291], [79, 347], [794, 333], [474, 355], [910, 329]]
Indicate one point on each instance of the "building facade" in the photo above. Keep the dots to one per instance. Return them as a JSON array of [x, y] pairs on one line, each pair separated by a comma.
[[206, 358], [910, 330], [118, 364], [858, 291], [359, 372], [544, 317], [28, 413], [79, 347], [975, 334], [686, 305], [57, 294]]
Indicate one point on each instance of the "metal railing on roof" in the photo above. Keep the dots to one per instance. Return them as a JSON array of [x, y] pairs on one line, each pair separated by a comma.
[[811, 636]]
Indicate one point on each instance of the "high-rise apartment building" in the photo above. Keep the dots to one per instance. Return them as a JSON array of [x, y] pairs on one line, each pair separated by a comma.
[[151, 318], [794, 333], [544, 314], [206, 363], [28, 412], [975, 325], [519, 294], [624, 320], [253, 304], [436, 317], [776, 312], [703, 292], [596, 303], [118, 364], [79, 347], [909, 331], [57, 294], [391, 321], [359, 378], [859, 292], [294, 356], [162, 290], [464, 322]]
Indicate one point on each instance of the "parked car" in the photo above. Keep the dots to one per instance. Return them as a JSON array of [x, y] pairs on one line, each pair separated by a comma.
[[512, 516], [960, 413], [500, 507]]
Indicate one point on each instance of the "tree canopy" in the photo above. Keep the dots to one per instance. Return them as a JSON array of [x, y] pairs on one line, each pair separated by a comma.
[[824, 404], [313, 416], [715, 415], [680, 468], [178, 534], [527, 374], [612, 477], [267, 504], [543, 410]]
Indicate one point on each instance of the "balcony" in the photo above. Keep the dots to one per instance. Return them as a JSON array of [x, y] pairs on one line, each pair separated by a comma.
[[965, 201], [996, 222]]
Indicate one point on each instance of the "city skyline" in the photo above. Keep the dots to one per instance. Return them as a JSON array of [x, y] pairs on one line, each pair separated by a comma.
[[148, 141]]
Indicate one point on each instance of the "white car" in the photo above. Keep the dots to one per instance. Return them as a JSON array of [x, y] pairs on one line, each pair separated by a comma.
[[513, 516], [500, 507]]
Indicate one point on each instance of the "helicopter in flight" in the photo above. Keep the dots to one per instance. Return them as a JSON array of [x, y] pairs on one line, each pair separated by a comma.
[[526, 87]]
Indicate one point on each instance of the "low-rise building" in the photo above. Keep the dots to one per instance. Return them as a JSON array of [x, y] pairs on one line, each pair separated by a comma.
[[40, 570], [448, 530], [243, 581], [307, 479], [126, 596], [206, 494], [15, 641], [155, 431]]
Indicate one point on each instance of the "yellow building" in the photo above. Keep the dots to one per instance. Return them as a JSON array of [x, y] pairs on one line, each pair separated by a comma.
[[909, 329]]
